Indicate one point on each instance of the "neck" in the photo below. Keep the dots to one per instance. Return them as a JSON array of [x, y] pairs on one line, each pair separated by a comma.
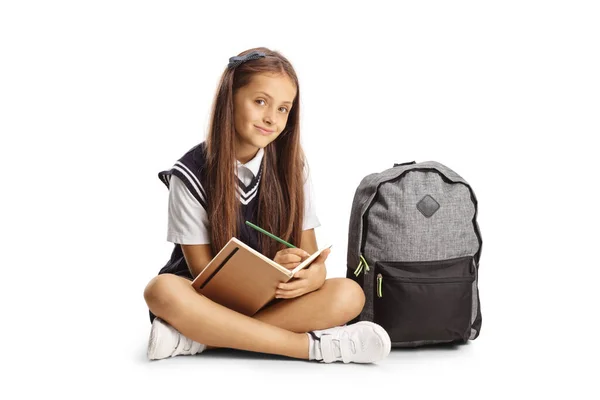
[[245, 152]]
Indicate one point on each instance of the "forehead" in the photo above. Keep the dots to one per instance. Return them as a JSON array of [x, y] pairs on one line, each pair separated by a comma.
[[281, 87]]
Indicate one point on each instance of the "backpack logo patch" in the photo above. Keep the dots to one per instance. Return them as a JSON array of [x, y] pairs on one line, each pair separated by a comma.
[[428, 206]]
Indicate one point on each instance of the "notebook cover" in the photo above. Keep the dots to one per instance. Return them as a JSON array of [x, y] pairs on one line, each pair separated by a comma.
[[240, 278]]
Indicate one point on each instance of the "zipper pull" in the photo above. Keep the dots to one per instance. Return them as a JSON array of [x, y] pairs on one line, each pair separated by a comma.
[[358, 268], [361, 264], [362, 259], [379, 282]]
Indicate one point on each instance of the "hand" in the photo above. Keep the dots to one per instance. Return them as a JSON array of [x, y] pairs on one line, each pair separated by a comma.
[[290, 258], [306, 280]]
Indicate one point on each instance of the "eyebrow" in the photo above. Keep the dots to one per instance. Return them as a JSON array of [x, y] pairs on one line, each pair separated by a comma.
[[269, 96]]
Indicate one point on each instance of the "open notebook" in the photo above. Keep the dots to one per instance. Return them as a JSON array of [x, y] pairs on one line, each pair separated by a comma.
[[243, 279]]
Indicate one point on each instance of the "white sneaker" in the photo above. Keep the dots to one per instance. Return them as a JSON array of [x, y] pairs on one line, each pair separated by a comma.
[[362, 342], [165, 341]]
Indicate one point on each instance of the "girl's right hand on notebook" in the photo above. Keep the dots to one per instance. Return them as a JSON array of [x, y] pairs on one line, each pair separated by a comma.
[[290, 258]]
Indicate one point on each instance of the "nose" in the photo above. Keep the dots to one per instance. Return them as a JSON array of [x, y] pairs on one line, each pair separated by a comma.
[[269, 116]]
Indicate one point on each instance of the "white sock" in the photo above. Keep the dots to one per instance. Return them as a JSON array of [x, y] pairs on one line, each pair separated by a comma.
[[314, 347]]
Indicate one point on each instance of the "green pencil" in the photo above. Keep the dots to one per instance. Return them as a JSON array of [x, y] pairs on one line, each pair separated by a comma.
[[270, 234]]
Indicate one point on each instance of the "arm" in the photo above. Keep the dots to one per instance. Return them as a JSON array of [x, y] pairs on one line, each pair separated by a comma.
[[308, 242], [188, 226], [197, 257]]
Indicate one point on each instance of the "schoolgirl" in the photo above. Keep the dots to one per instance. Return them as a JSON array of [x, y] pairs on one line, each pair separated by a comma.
[[252, 168]]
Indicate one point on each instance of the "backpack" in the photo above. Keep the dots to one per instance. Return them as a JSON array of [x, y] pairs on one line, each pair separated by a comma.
[[414, 247]]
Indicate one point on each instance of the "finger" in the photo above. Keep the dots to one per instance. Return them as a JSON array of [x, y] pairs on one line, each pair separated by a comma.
[[297, 284], [290, 294], [295, 251], [290, 266], [323, 256], [302, 274], [291, 258], [287, 258]]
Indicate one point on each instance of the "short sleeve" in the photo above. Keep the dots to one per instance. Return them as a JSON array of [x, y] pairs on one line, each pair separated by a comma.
[[188, 220], [310, 213]]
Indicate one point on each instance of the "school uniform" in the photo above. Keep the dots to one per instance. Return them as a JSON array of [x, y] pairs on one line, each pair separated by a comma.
[[188, 218]]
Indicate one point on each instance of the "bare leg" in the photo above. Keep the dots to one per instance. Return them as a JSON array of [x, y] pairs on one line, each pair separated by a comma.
[[335, 303], [174, 300]]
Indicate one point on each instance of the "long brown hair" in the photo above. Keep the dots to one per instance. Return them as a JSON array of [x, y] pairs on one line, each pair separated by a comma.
[[281, 198]]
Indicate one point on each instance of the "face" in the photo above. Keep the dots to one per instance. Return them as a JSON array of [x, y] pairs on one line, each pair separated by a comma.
[[264, 103]]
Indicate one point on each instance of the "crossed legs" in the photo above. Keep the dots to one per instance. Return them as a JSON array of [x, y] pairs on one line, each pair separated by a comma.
[[278, 329]]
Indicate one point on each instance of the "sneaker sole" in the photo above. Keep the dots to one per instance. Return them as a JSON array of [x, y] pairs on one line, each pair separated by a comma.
[[383, 335]]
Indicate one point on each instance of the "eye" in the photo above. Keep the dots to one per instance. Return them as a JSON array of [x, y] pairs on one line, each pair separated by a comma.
[[285, 108]]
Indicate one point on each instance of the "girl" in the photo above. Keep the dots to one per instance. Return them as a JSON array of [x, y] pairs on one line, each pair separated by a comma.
[[252, 168]]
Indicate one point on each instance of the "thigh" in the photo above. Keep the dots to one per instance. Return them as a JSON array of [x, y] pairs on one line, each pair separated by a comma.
[[335, 303]]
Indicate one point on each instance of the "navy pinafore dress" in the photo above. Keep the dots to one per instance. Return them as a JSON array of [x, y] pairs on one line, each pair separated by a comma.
[[191, 169]]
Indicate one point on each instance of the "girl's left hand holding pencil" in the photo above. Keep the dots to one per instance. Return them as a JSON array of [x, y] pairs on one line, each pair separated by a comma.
[[306, 280]]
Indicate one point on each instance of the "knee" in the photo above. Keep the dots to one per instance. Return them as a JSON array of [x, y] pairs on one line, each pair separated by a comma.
[[348, 298], [161, 293]]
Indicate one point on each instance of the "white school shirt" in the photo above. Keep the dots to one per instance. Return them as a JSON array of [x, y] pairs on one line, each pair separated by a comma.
[[188, 220]]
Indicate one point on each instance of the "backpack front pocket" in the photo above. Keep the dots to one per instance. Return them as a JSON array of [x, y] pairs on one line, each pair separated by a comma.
[[425, 300]]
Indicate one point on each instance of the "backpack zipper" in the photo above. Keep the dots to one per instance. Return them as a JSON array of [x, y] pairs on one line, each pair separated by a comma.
[[379, 282]]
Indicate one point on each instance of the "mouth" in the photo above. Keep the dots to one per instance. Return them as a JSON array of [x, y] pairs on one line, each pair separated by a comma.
[[263, 131]]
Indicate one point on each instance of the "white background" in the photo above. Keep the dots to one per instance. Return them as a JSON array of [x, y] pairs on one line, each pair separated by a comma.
[[97, 97]]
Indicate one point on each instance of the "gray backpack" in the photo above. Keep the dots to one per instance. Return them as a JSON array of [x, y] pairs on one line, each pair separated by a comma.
[[414, 248]]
